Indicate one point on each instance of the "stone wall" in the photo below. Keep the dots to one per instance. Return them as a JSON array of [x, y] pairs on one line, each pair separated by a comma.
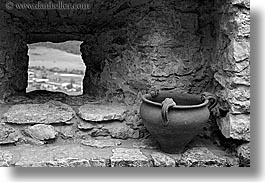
[[232, 73], [127, 48], [130, 46], [163, 44], [232, 67]]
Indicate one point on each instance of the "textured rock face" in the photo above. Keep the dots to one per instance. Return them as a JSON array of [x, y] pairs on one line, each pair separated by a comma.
[[127, 48], [5, 158], [102, 143], [203, 157], [236, 126], [243, 152], [50, 112], [123, 157], [41, 132], [7, 134], [232, 67], [102, 112], [162, 160]]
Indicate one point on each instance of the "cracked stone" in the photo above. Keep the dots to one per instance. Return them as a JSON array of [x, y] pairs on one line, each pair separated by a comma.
[[203, 157], [41, 132], [7, 134], [50, 112], [100, 112], [162, 160], [124, 157], [6, 158], [103, 143], [235, 126]]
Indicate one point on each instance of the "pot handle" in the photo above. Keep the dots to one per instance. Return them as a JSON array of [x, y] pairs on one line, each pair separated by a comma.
[[166, 104], [212, 99]]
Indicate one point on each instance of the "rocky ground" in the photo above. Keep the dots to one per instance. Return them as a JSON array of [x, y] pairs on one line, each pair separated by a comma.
[[45, 129]]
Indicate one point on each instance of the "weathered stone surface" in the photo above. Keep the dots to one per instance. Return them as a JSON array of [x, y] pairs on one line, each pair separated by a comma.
[[235, 126], [241, 50], [86, 125], [41, 132], [121, 131], [100, 162], [50, 112], [116, 129], [245, 3], [146, 144], [124, 157], [232, 66], [243, 152], [102, 112], [6, 158], [101, 143], [203, 157], [7, 134], [65, 162], [162, 160], [66, 155], [66, 131]]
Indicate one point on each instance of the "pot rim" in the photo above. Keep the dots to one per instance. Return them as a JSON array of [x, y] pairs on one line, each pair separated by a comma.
[[204, 103]]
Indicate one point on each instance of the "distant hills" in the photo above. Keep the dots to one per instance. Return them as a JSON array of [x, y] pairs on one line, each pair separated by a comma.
[[68, 46]]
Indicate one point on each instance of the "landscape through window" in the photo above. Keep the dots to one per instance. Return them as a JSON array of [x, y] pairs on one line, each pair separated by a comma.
[[56, 67]]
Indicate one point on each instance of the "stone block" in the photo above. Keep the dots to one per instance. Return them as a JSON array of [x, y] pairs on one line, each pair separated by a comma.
[[6, 159], [203, 157], [102, 112], [41, 132], [162, 160], [236, 126], [124, 157], [241, 50], [47, 113], [7, 134]]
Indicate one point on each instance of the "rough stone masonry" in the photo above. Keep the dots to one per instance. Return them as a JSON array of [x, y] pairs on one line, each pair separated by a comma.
[[130, 46]]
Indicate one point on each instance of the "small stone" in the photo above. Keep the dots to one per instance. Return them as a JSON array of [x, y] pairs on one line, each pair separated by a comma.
[[235, 126], [103, 143], [121, 130], [30, 141], [66, 131], [50, 112], [6, 158], [85, 125], [100, 112], [162, 160], [241, 50], [41, 132], [243, 152], [7, 134], [124, 157], [203, 157]]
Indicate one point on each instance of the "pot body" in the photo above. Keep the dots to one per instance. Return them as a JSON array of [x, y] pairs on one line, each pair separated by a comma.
[[183, 125]]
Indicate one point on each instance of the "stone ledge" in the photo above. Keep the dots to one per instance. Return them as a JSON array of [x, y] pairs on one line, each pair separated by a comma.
[[124, 155], [48, 113]]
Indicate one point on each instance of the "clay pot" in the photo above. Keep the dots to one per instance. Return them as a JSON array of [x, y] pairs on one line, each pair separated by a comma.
[[173, 118]]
